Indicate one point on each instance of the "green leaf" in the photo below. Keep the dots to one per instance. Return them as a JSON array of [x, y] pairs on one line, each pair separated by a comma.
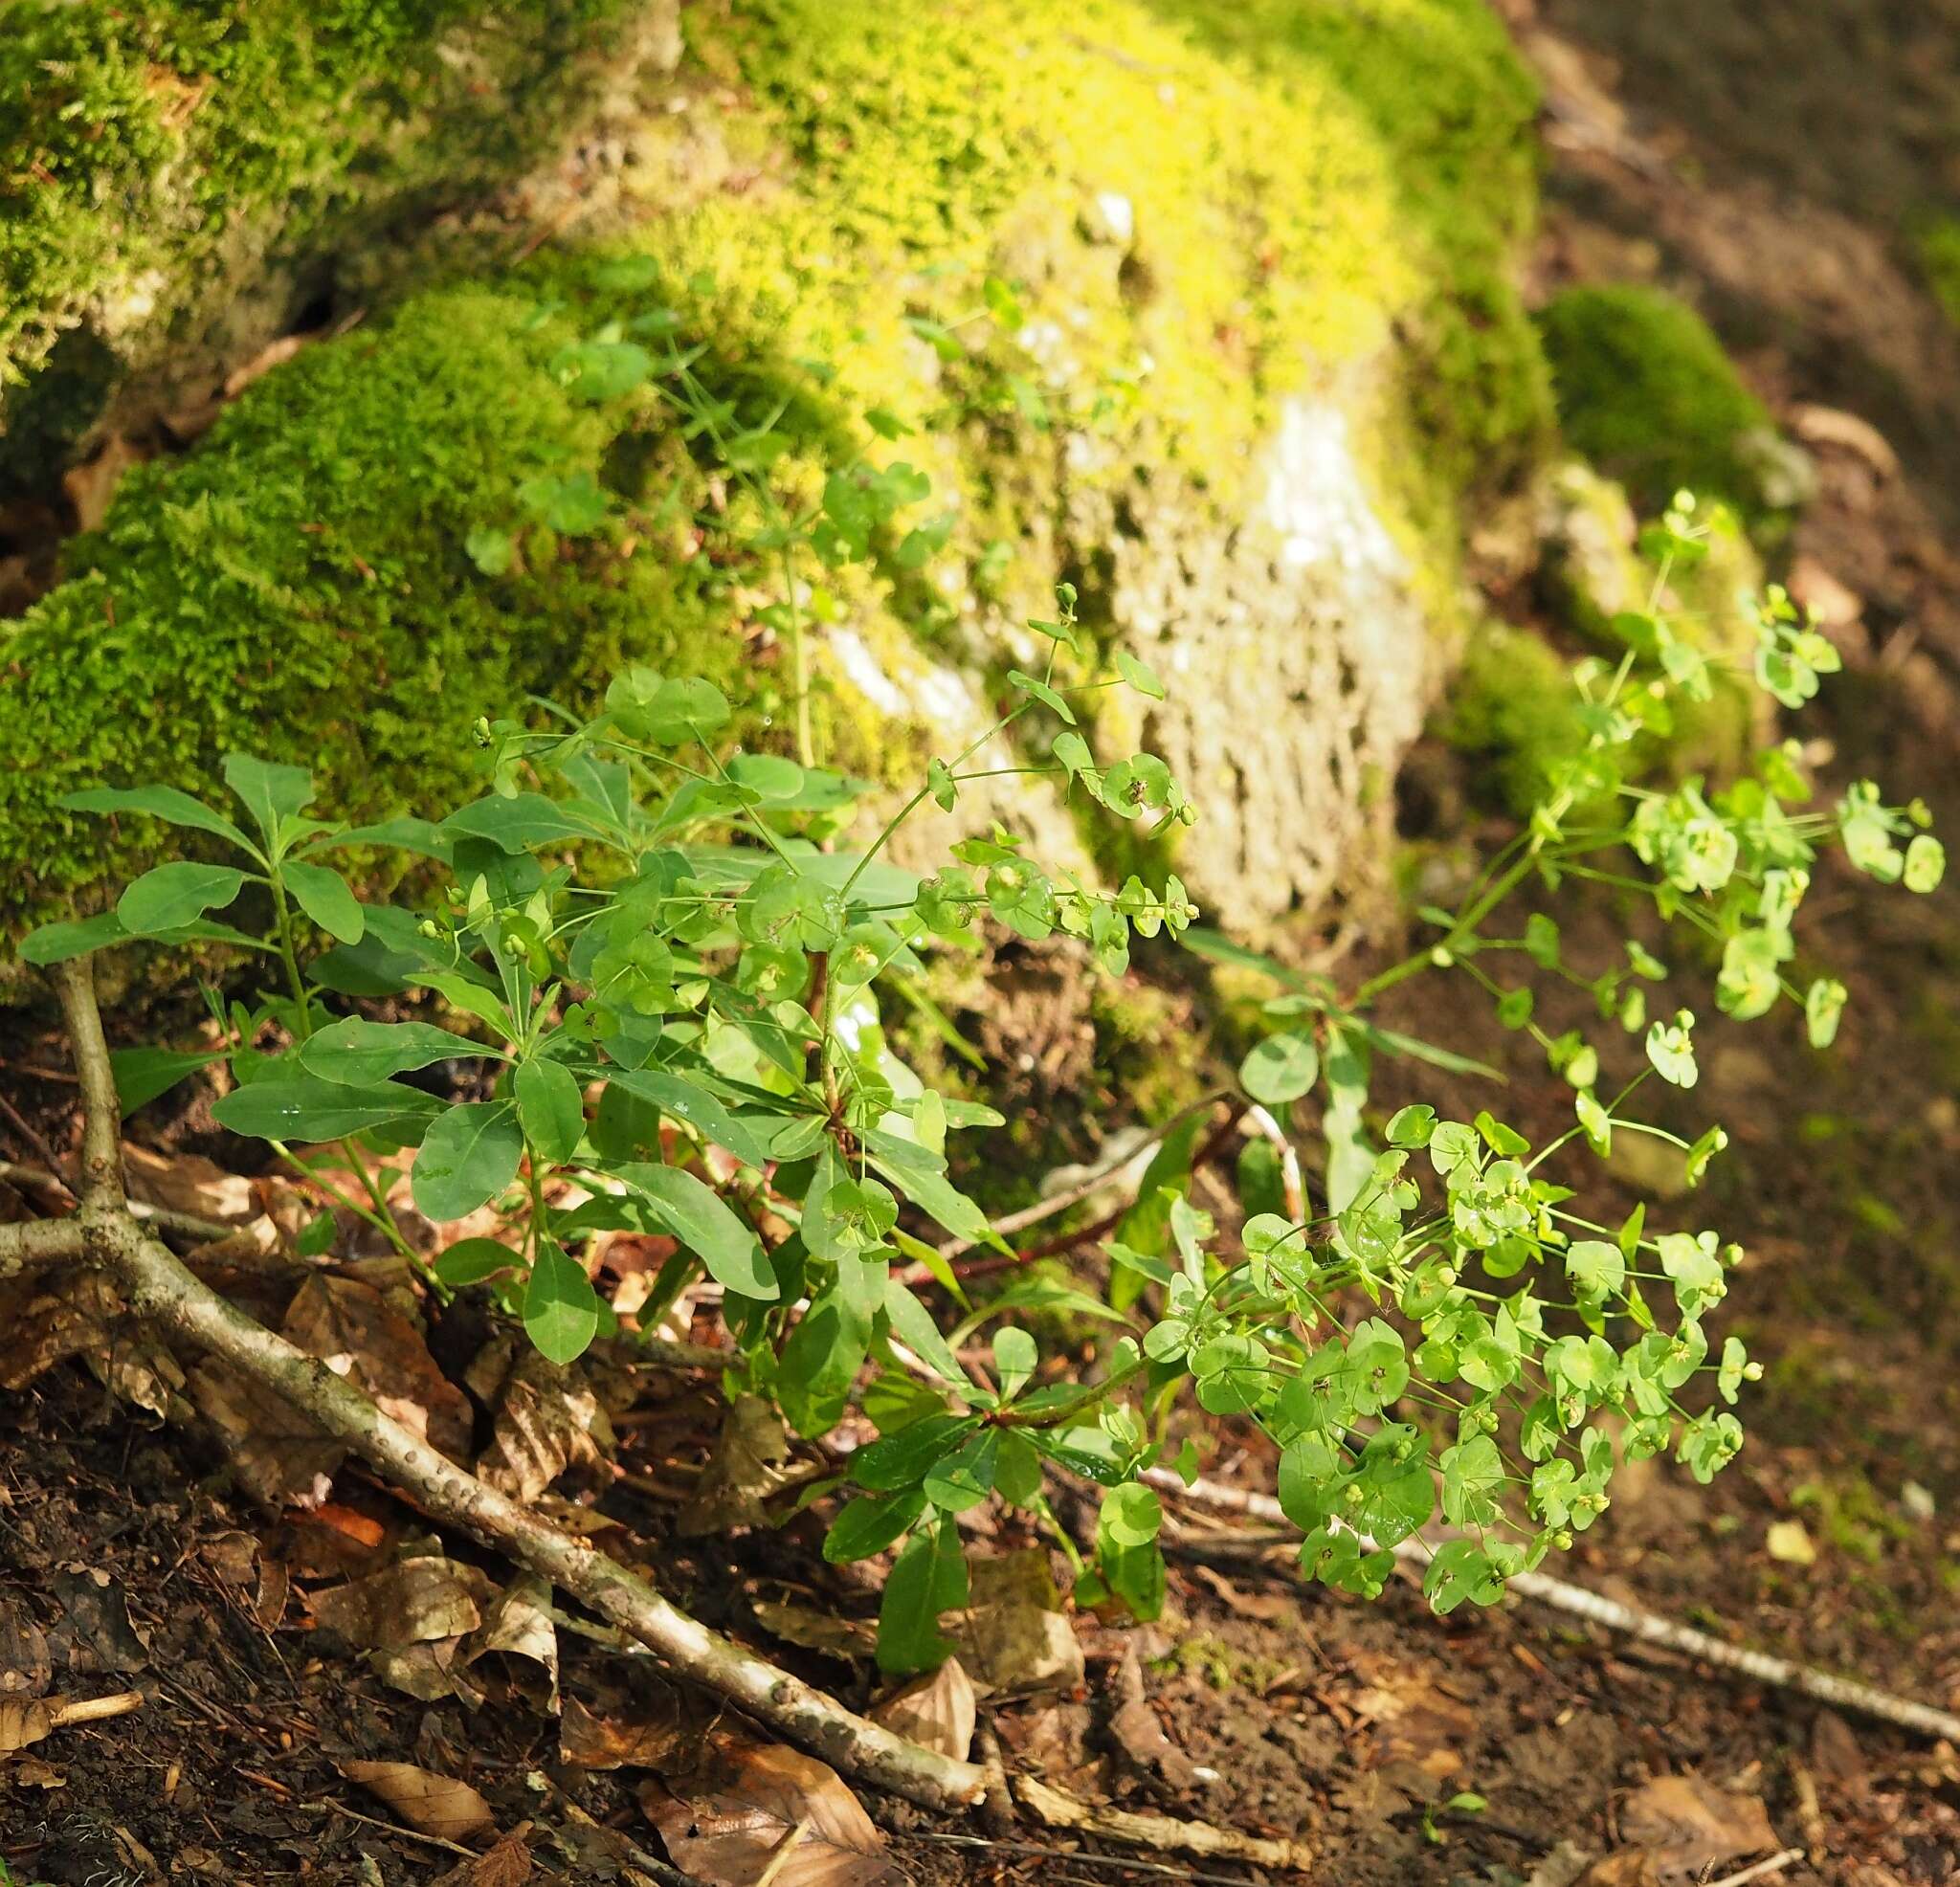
[[688, 1101], [913, 1327], [1015, 1357], [869, 1523], [1132, 1515], [323, 894], [518, 822], [1412, 1127], [75, 937], [1280, 1069], [1595, 1269], [1824, 1008], [164, 803], [1139, 674], [471, 1261], [469, 1155], [142, 1075], [303, 1107], [269, 791], [490, 549], [176, 895], [550, 1108], [701, 1221], [928, 1577], [906, 1458], [1042, 693], [358, 1052], [964, 1479], [561, 1308], [1925, 863]]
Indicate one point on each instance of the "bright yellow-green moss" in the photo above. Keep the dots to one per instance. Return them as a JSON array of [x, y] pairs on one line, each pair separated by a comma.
[[1069, 252], [143, 142], [1646, 391]]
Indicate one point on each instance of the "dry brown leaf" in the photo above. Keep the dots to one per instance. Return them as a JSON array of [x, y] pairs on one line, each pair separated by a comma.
[[517, 1625], [749, 1463], [937, 1711], [427, 1803], [94, 1633], [762, 1793], [24, 1721], [52, 1316], [663, 1729], [1418, 1723], [415, 1601], [508, 1864], [26, 1669], [1016, 1636], [818, 1631], [280, 1458], [189, 1183], [1677, 1830], [354, 1329], [429, 1672], [1135, 1730], [548, 1420]]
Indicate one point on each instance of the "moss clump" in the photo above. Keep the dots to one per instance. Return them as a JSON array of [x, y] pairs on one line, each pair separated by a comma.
[[1051, 262], [1647, 394], [300, 588], [153, 149], [1937, 244], [1513, 705]]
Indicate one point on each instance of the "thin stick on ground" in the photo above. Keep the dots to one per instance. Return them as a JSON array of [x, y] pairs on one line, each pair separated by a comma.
[[1163, 1832], [1648, 1628], [160, 1288], [1775, 1864]]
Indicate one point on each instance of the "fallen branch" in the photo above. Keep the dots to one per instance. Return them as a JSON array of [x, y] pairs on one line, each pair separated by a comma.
[[1648, 1628], [159, 1287], [1166, 1833]]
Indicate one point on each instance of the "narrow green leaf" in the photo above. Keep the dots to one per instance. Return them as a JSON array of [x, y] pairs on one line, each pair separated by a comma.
[[323, 894], [929, 1577], [471, 1261], [689, 1102], [164, 803], [358, 1052], [913, 1327], [701, 1221], [176, 895], [301, 1106], [550, 1108], [269, 791], [469, 1155], [142, 1075]]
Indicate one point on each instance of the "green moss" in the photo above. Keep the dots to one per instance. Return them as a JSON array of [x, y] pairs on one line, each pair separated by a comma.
[[299, 587], [1513, 705], [150, 145], [1646, 391], [1199, 209], [1937, 245]]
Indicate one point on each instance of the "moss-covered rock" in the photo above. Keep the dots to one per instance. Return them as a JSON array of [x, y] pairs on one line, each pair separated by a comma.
[[1201, 306], [178, 180], [1646, 391]]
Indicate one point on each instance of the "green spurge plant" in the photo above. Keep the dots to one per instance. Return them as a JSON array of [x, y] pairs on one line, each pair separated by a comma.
[[667, 960]]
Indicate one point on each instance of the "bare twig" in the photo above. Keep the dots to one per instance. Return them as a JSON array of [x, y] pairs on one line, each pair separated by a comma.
[[94, 1709], [1648, 1628], [1033, 1851], [1163, 1832], [1775, 1864], [29, 1134], [160, 1288], [442, 1841]]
